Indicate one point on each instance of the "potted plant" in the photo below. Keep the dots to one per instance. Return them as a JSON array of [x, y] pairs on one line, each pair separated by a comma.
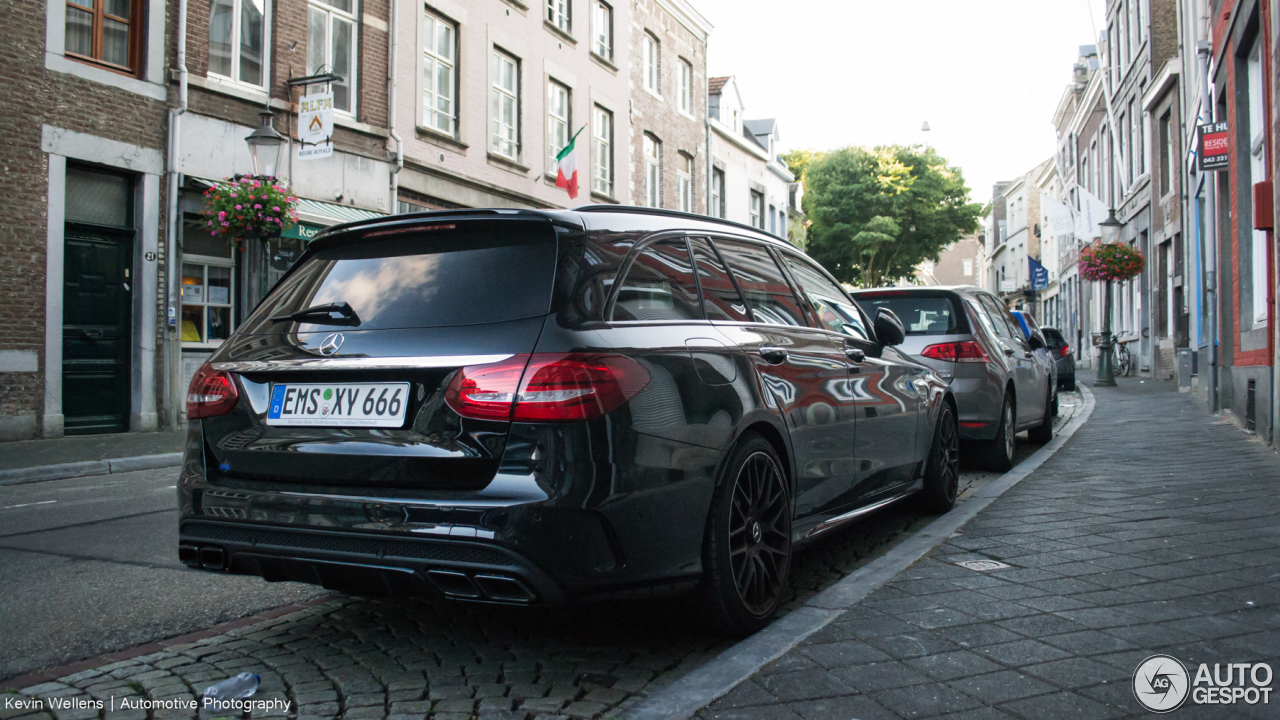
[[1108, 262], [249, 208]]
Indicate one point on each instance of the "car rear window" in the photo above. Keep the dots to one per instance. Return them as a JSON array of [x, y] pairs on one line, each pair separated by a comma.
[[468, 273], [920, 314], [1053, 336]]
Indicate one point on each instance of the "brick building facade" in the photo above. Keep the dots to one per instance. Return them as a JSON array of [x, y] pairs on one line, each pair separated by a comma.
[[82, 166], [668, 91]]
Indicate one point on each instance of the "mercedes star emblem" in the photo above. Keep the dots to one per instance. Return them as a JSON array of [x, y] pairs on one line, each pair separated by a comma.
[[331, 344]]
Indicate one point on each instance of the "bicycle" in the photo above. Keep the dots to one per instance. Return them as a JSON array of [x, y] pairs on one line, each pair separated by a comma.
[[1121, 358]]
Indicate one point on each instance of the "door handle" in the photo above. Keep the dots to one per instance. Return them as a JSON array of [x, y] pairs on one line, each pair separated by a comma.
[[855, 354], [92, 334], [773, 355], [1026, 354], [1008, 352]]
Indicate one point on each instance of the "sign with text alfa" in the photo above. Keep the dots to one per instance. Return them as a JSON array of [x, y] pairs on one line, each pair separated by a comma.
[[315, 125], [1215, 155]]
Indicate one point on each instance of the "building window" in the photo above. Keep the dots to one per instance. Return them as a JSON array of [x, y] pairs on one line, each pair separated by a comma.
[[557, 117], [773, 219], [237, 40], [505, 105], [652, 64], [1256, 134], [684, 89], [331, 47], [439, 74], [684, 175], [602, 38], [757, 209], [1166, 136], [558, 14], [966, 268], [652, 171], [602, 155], [717, 193], [104, 30], [208, 285]]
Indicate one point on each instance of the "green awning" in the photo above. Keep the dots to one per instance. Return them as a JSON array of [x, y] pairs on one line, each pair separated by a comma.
[[324, 214]]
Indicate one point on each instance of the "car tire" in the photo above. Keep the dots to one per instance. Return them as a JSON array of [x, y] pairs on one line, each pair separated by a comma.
[[1055, 402], [747, 551], [1069, 385], [1043, 432], [998, 451], [942, 468]]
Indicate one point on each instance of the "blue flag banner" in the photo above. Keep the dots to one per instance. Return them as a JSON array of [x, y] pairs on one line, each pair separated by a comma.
[[1039, 276]]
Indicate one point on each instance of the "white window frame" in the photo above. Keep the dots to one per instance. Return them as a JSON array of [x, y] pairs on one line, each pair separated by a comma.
[[718, 180], [205, 262], [756, 209], [602, 152], [233, 78], [684, 179], [652, 49], [499, 93], [684, 87], [331, 13], [652, 150], [602, 29], [558, 124], [1257, 137], [560, 14], [433, 58]]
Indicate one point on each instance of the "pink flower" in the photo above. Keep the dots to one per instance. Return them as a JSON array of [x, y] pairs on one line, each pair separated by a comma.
[[226, 224], [276, 208], [257, 207], [238, 207]]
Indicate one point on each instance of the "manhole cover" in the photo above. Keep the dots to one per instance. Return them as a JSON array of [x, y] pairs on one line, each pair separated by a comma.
[[982, 565]]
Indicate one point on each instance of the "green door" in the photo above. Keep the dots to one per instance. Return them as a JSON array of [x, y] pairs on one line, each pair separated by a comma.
[[96, 330]]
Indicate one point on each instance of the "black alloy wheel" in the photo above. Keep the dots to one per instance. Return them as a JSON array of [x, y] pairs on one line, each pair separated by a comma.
[[942, 470], [748, 549]]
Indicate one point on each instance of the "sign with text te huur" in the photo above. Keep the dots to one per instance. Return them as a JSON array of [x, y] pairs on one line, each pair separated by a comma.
[[1215, 153]]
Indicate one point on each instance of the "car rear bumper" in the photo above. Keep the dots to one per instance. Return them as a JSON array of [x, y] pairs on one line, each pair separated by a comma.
[[978, 402], [561, 521]]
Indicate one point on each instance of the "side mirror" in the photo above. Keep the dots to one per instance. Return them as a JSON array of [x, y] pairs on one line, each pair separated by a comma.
[[889, 327], [1036, 341]]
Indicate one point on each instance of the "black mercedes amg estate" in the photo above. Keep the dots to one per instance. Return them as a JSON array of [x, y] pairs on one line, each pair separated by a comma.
[[532, 407]]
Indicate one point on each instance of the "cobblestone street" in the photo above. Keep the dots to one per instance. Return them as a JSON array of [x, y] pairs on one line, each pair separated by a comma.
[[373, 658]]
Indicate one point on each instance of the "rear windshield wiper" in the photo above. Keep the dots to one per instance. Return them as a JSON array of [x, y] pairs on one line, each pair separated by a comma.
[[323, 315]]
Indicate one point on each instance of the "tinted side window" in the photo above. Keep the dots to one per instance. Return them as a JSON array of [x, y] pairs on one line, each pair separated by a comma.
[[762, 282], [834, 309], [659, 285], [720, 299], [1003, 323]]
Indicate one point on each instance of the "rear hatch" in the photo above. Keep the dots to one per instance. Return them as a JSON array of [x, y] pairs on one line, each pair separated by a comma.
[[341, 372], [929, 317]]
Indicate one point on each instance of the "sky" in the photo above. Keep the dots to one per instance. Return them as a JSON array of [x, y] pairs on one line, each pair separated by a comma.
[[987, 75]]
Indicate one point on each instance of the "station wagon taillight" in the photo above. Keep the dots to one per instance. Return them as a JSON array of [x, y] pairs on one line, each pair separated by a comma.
[[211, 393], [546, 387], [967, 351], [1065, 351]]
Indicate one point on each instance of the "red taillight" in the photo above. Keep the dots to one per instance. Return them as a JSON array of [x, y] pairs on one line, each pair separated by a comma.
[[968, 351], [1065, 351], [211, 393], [486, 392], [548, 387]]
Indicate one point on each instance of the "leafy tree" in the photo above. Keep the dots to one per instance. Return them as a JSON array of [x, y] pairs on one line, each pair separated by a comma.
[[879, 212], [798, 160]]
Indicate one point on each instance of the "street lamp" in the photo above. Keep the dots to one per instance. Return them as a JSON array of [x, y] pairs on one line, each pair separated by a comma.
[[264, 144], [1110, 229]]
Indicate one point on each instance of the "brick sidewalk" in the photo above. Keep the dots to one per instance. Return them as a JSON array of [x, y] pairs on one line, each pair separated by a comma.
[[1155, 529]]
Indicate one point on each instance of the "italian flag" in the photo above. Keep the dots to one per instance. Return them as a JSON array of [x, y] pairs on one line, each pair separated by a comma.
[[567, 166]]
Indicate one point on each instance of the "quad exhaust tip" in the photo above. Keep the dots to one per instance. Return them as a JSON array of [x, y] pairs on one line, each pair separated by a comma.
[[498, 588], [204, 557]]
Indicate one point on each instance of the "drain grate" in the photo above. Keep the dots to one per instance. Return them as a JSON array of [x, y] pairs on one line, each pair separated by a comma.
[[982, 565]]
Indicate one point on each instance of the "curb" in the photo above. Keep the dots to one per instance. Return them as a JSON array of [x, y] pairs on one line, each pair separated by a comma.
[[23, 681], [62, 471], [686, 696]]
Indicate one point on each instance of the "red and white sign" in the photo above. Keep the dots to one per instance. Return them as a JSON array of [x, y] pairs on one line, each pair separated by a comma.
[[1215, 147]]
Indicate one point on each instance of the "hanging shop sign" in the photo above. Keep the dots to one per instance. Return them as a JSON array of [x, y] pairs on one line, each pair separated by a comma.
[[301, 231], [1215, 155], [315, 125]]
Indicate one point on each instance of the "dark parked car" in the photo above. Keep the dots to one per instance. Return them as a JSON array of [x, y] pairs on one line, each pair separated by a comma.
[[968, 336], [1061, 351], [543, 406], [1031, 331]]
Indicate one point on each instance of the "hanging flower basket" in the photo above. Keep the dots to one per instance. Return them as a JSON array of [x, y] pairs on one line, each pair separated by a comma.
[[249, 208], [1113, 261]]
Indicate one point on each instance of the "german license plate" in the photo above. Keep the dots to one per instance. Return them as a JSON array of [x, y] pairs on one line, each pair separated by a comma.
[[339, 404]]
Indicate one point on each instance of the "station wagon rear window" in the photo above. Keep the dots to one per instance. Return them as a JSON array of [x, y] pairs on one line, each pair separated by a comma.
[[469, 274], [933, 314]]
